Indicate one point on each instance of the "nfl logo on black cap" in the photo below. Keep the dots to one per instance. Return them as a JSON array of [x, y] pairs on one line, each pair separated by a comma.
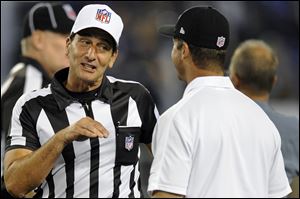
[[203, 27], [221, 41]]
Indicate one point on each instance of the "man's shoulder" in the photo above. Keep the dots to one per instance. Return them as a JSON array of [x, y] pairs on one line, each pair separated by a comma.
[[15, 81], [284, 123], [17, 69], [14, 84], [178, 110]]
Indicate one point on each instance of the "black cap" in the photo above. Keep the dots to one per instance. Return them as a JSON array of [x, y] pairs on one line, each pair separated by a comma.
[[57, 18], [202, 27]]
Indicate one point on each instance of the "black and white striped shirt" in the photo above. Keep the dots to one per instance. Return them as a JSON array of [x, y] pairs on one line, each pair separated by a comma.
[[25, 76], [93, 168]]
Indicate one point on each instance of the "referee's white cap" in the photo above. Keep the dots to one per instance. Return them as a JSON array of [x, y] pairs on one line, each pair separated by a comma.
[[99, 16]]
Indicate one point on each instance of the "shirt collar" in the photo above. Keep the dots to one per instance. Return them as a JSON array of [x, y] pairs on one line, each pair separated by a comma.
[[64, 99], [208, 81], [37, 65]]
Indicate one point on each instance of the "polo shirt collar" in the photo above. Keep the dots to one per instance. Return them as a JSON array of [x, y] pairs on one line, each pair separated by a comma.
[[208, 81], [64, 99]]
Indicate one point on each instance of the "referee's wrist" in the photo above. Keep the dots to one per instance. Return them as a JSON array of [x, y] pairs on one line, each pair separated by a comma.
[[62, 138]]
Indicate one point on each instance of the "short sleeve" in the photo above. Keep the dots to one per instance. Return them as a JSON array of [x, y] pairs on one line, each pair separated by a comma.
[[172, 148], [149, 114], [278, 181], [22, 133]]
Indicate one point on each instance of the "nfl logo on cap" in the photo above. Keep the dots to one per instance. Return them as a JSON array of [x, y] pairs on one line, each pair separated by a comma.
[[103, 15], [99, 16], [221, 41], [129, 142]]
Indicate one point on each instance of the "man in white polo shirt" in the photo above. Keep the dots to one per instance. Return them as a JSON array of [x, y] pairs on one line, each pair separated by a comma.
[[215, 142]]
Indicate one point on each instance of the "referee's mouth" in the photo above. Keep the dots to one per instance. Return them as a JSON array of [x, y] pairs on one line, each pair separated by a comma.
[[88, 67]]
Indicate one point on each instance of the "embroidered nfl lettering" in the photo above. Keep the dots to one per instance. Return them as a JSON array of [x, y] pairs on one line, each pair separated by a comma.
[[129, 142], [103, 16], [221, 41]]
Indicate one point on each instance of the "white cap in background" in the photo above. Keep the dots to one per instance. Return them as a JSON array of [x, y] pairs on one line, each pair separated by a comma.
[[99, 16]]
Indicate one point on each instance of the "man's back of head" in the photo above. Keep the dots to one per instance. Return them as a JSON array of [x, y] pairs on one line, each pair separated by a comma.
[[253, 67], [45, 30], [202, 37]]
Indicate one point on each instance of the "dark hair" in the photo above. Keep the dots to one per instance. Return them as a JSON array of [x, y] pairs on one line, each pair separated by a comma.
[[255, 64], [97, 33], [205, 58]]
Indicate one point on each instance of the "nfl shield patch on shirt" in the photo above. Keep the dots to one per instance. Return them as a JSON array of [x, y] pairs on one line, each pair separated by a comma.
[[129, 142]]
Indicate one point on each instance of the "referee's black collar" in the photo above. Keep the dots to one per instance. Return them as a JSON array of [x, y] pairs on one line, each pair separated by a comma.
[[64, 99], [37, 65]]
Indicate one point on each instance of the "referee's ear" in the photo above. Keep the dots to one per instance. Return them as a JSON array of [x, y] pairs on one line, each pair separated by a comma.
[[113, 58], [68, 42]]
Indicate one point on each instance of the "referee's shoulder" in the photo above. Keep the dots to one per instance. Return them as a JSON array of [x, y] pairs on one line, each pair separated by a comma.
[[33, 95], [129, 86]]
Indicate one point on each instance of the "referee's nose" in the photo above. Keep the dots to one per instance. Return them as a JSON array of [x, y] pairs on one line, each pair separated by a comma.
[[91, 53]]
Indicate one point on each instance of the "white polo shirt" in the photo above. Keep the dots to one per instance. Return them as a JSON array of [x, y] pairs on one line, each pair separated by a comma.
[[217, 142]]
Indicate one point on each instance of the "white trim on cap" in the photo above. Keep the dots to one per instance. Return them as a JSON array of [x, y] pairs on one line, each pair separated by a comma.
[[52, 16], [34, 8]]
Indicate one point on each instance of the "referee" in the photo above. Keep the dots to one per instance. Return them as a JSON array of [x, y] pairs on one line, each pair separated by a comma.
[[79, 137], [43, 46]]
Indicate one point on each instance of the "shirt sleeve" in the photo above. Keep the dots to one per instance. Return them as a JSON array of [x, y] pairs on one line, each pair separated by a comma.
[[278, 181], [149, 114], [172, 150], [22, 133]]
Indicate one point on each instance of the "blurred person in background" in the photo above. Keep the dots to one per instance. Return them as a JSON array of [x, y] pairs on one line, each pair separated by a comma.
[[45, 29], [253, 71]]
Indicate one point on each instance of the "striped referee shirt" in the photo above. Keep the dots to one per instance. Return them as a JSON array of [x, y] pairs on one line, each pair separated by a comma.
[[26, 76], [95, 167]]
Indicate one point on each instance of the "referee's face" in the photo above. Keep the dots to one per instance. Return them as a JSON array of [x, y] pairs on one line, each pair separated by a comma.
[[89, 57]]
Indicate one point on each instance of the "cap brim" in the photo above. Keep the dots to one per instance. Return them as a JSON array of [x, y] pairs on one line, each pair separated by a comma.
[[167, 30]]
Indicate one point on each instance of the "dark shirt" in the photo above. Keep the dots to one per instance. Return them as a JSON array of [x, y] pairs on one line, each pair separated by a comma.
[[288, 128], [25, 76]]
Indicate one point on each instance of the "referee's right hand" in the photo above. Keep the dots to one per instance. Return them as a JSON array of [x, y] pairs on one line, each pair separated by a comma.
[[83, 129]]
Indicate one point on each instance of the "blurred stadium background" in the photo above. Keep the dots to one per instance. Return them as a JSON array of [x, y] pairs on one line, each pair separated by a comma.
[[145, 55]]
